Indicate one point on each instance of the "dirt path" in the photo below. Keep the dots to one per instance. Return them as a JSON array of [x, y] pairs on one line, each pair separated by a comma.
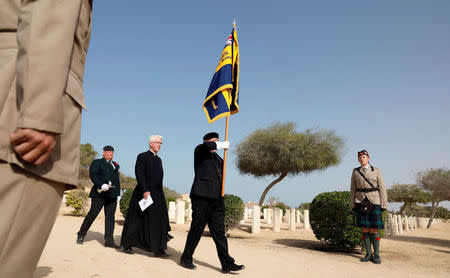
[[419, 253]]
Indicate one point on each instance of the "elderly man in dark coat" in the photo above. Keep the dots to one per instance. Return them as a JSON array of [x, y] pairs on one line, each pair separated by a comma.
[[148, 229], [207, 203], [104, 174]]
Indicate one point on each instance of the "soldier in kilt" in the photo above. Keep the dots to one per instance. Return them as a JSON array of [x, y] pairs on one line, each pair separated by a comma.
[[368, 200]]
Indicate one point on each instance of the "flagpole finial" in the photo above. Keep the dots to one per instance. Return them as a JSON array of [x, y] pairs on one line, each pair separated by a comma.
[[234, 22]]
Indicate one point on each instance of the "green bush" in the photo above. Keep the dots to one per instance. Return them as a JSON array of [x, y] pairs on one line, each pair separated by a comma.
[[77, 199], [333, 221], [442, 213], [125, 201], [282, 206], [170, 199], [304, 206], [234, 211]]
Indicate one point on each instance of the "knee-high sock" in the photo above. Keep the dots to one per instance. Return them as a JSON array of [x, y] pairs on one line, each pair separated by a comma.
[[375, 238], [366, 239]]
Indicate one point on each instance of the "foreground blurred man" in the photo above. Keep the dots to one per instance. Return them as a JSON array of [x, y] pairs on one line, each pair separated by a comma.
[[43, 47], [368, 199], [104, 174], [207, 203]]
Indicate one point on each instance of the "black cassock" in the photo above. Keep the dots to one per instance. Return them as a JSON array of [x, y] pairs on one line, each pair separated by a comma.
[[148, 229]]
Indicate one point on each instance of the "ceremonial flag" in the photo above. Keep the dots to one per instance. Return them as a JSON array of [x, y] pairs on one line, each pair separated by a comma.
[[222, 98]]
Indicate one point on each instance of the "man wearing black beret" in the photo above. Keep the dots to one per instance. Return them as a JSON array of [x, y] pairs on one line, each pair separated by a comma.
[[207, 203], [104, 174]]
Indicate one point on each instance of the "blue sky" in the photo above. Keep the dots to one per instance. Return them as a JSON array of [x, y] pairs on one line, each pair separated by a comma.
[[376, 72]]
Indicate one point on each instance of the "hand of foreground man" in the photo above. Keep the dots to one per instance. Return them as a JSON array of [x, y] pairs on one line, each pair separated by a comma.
[[33, 146]]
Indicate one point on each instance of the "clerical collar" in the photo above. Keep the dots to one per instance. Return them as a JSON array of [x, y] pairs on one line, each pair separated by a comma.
[[154, 154]]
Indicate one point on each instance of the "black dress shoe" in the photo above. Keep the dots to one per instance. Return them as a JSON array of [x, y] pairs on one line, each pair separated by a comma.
[[128, 251], [111, 244], [80, 239], [162, 254], [232, 267], [367, 258], [188, 265], [376, 259]]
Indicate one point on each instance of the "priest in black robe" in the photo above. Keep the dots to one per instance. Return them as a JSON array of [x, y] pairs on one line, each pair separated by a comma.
[[148, 229]]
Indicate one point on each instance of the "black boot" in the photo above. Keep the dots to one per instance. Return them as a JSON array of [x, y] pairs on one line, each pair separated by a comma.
[[376, 248], [232, 267], [366, 238], [80, 239]]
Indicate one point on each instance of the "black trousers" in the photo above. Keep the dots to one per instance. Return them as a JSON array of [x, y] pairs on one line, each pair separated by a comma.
[[211, 212], [96, 206]]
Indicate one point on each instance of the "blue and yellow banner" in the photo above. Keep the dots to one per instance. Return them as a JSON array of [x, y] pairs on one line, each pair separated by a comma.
[[222, 98]]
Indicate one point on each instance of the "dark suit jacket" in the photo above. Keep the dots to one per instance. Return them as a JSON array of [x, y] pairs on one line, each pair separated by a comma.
[[149, 175], [208, 168], [102, 172]]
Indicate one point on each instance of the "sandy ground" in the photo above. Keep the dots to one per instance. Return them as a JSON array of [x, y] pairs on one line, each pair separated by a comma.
[[419, 253]]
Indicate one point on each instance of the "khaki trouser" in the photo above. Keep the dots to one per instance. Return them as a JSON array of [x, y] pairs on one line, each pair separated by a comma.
[[28, 208]]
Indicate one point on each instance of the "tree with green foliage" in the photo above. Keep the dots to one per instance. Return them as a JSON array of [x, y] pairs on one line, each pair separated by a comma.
[[409, 195], [280, 150], [127, 182], [437, 181], [304, 206], [87, 154]]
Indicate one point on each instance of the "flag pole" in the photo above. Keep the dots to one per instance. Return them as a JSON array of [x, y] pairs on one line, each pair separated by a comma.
[[227, 123], [225, 157]]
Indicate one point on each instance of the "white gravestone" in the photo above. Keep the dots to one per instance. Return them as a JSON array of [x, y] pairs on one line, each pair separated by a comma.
[[179, 215], [277, 212], [400, 224], [172, 206], [269, 216], [292, 219], [256, 225], [306, 224]]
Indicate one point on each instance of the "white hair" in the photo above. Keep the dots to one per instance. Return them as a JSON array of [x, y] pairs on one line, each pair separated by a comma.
[[153, 138]]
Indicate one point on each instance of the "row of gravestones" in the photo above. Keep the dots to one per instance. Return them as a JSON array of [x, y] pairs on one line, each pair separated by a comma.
[[274, 217], [397, 224], [179, 214]]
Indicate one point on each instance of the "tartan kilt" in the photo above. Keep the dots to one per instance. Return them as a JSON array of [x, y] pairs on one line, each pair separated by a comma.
[[372, 220]]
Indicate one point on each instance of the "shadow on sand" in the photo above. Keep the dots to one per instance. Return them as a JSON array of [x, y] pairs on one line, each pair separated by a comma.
[[42, 271], [315, 246], [423, 240], [175, 255]]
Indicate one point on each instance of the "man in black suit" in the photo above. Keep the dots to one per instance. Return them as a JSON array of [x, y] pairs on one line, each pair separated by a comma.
[[207, 203], [104, 173]]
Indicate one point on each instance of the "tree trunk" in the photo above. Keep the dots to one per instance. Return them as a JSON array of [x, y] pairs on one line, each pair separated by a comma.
[[433, 211], [402, 208], [263, 196]]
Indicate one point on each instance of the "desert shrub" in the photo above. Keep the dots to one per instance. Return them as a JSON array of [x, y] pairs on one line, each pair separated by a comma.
[[442, 213], [234, 211], [77, 199], [281, 206], [333, 221], [304, 206], [125, 201], [170, 199]]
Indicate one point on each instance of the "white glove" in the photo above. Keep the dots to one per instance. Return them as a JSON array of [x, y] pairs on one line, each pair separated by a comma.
[[105, 187], [222, 145]]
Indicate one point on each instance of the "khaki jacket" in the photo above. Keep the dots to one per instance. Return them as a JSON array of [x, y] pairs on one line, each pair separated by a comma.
[[375, 197], [43, 46]]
